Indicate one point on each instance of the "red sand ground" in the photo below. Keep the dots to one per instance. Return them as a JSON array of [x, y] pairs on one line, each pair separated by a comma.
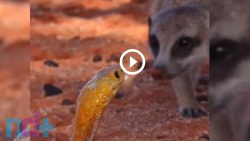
[[74, 32], [14, 62]]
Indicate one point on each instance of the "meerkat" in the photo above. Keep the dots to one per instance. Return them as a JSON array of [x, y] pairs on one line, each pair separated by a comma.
[[178, 40], [229, 90]]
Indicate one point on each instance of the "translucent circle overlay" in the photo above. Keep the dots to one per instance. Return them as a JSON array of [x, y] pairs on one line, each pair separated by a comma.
[[133, 51]]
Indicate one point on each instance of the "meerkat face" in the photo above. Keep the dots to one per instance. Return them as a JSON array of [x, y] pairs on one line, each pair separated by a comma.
[[229, 70], [229, 51], [177, 39]]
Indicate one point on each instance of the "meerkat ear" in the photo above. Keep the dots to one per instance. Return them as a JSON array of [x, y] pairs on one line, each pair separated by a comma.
[[149, 21]]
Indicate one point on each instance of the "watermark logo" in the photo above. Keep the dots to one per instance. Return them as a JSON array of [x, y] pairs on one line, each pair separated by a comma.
[[34, 127]]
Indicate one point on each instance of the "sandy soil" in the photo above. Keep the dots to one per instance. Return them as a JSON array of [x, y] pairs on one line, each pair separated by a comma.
[[14, 62]]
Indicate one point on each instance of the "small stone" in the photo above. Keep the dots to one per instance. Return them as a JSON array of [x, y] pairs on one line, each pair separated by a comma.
[[160, 137], [119, 95], [51, 90], [76, 38], [67, 102], [205, 136], [51, 63], [119, 110], [1, 41], [114, 58], [97, 58]]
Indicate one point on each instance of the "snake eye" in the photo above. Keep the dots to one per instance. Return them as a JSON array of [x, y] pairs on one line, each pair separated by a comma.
[[117, 75]]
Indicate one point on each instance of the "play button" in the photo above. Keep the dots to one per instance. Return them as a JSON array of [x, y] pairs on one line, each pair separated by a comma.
[[131, 67], [132, 61]]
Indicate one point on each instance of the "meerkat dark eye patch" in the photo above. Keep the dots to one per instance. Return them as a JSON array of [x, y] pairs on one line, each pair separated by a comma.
[[154, 44], [117, 75], [225, 55], [222, 50], [184, 46]]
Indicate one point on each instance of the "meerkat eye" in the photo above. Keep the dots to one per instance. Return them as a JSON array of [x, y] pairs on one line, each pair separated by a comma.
[[221, 50], [184, 46], [186, 42], [154, 44], [117, 75]]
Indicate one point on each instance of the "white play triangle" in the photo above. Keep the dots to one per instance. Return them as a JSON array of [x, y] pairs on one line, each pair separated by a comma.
[[132, 61]]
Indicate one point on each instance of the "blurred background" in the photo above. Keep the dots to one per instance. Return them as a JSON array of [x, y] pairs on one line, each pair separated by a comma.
[[71, 40], [14, 61]]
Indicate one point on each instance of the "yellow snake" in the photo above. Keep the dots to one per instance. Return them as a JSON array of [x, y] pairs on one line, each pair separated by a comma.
[[94, 98]]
